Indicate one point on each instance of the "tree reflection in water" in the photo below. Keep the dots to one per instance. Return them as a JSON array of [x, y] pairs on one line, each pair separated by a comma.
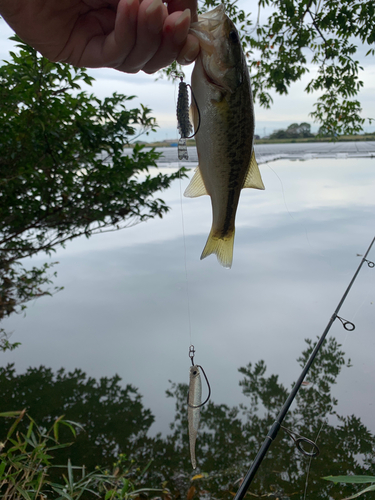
[[229, 438]]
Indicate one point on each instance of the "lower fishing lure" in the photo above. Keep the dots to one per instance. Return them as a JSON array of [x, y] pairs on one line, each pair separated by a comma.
[[195, 403]]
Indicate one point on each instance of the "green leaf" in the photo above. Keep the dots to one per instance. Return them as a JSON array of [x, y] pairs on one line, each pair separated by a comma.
[[366, 490], [3, 464], [10, 413], [350, 479]]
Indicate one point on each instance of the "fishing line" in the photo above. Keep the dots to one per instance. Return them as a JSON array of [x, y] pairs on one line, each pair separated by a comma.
[[194, 401], [286, 206], [185, 260], [178, 75], [272, 433], [310, 460]]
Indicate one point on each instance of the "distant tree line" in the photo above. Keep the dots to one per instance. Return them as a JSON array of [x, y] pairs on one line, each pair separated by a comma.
[[294, 131]]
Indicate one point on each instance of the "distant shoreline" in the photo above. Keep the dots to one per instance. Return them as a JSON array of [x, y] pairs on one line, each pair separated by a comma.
[[343, 138]]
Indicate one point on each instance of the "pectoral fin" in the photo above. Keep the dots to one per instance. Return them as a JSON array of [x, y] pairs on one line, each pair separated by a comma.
[[196, 187], [253, 178]]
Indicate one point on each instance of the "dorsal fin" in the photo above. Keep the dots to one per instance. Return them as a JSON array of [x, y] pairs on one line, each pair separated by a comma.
[[196, 187], [253, 178]]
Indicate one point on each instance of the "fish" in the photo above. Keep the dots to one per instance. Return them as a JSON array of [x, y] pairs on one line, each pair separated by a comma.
[[223, 118], [194, 402]]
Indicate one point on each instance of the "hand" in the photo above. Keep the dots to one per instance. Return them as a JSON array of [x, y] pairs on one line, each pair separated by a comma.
[[129, 35]]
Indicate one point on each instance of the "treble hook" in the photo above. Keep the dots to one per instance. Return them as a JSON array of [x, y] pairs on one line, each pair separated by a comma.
[[348, 325], [298, 440]]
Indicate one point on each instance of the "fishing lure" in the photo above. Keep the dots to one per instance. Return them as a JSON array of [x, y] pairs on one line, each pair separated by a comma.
[[195, 403], [184, 125], [194, 408], [183, 122]]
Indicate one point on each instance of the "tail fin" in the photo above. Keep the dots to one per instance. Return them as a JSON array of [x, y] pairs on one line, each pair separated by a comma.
[[222, 247]]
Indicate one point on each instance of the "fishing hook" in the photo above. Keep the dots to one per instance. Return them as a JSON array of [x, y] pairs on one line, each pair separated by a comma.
[[348, 325], [199, 113], [209, 391], [299, 440], [191, 356]]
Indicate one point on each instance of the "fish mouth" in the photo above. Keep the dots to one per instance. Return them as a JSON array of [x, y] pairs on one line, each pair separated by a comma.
[[204, 29]]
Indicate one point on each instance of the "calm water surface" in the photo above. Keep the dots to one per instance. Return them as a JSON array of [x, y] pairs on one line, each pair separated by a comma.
[[128, 308]]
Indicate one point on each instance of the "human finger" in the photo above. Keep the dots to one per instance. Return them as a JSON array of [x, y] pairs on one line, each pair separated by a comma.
[[114, 41], [151, 16], [189, 51], [175, 32]]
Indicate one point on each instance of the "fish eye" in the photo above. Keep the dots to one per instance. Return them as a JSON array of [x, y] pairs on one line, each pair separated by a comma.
[[233, 36]]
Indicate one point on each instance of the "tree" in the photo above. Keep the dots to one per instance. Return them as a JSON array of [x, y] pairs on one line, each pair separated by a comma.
[[298, 34], [63, 170], [294, 131], [330, 30]]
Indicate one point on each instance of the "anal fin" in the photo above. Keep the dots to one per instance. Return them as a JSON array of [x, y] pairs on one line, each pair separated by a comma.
[[253, 178], [196, 186]]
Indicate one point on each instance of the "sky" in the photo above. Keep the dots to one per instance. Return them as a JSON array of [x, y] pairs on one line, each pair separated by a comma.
[[161, 95]]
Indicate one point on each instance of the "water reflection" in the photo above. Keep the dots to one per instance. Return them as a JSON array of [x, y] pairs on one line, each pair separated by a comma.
[[117, 422], [124, 307]]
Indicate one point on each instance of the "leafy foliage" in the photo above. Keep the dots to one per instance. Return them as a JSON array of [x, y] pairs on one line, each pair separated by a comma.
[[26, 463], [354, 480], [299, 36], [328, 30], [63, 170], [113, 417]]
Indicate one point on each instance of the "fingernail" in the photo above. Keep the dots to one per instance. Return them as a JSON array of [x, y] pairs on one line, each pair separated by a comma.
[[154, 21], [180, 36]]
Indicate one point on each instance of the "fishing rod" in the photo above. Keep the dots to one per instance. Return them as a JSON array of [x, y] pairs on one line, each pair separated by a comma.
[[272, 433]]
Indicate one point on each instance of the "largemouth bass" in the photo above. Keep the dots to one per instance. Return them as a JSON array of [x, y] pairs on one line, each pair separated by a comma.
[[224, 125], [194, 400]]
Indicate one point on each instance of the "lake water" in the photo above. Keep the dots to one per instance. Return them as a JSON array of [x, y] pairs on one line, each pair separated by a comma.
[[128, 303]]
